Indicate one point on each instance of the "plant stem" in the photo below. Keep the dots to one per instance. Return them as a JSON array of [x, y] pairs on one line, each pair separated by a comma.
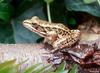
[[99, 2], [48, 12]]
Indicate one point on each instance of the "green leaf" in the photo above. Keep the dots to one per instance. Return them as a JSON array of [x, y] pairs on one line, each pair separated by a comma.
[[42, 69], [9, 67], [79, 5], [89, 1], [6, 11], [7, 63], [32, 68], [72, 21], [61, 67], [74, 69], [1, 1]]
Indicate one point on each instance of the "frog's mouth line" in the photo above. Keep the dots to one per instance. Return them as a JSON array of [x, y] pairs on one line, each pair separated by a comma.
[[33, 29]]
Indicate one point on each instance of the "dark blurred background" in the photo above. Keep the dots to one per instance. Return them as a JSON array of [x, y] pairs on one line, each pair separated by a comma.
[[13, 12]]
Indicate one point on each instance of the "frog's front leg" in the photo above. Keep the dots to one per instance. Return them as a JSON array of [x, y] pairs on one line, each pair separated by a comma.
[[51, 37], [63, 42]]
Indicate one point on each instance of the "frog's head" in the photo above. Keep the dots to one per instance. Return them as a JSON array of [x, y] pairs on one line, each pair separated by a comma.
[[34, 25]]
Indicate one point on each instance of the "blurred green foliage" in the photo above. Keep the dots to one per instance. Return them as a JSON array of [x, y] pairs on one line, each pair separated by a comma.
[[13, 12], [89, 1], [12, 67]]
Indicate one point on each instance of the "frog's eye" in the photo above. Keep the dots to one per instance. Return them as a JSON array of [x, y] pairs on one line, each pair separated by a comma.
[[35, 25]]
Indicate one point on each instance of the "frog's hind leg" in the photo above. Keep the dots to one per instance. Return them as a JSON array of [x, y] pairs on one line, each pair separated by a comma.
[[49, 39]]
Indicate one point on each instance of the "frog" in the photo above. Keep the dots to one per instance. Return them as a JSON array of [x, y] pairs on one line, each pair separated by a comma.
[[56, 34]]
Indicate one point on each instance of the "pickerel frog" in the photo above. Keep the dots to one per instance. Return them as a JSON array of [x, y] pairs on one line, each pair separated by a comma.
[[56, 34]]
